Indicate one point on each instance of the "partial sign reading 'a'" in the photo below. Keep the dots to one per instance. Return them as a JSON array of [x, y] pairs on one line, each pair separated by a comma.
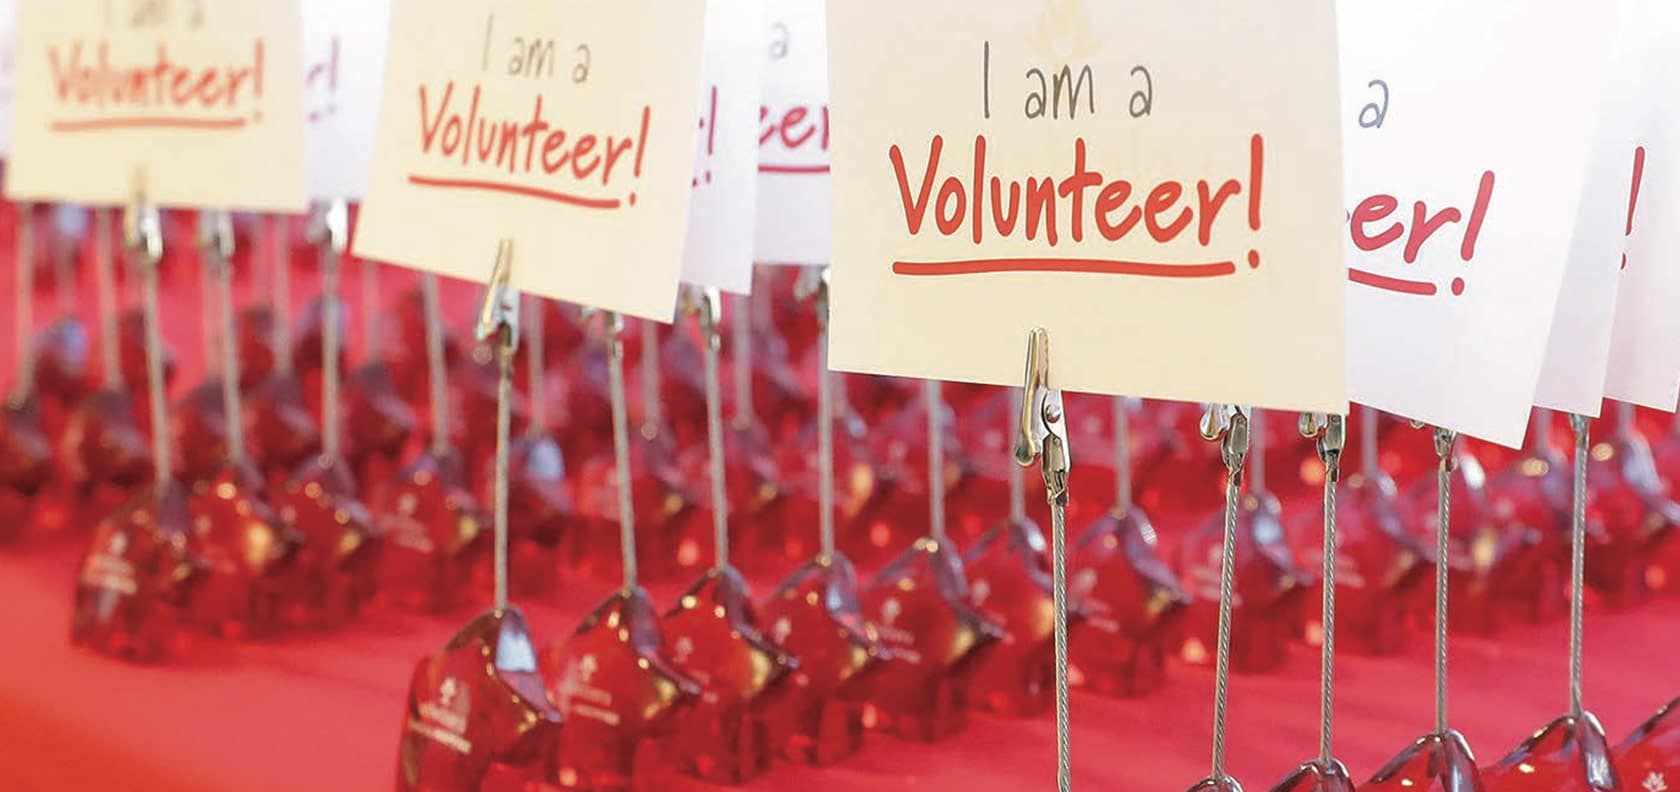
[[190, 102], [794, 140], [565, 126], [1156, 186], [1463, 205]]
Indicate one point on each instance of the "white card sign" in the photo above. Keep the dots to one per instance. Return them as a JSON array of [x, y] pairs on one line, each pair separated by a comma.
[[192, 103], [1578, 346], [1644, 366], [793, 136], [1158, 186], [344, 58], [719, 249], [8, 62], [1461, 205], [565, 126]]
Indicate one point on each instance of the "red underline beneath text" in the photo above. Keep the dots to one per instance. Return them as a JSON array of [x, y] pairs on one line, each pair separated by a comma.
[[508, 188]]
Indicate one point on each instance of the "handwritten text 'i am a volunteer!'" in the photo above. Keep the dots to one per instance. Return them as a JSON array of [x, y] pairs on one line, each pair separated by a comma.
[[589, 169], [1081, 202], [97, 90]]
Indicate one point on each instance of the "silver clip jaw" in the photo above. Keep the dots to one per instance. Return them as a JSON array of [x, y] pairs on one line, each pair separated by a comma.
[[143, 231], [1331, 432], [1228, 423], [1043, 426], [498, 318], [331, 226], [706, 304], [215, 233]]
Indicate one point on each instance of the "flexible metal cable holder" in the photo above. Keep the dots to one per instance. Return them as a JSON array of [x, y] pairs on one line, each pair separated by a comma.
[[813, 286], [498, 323], [1042, 438], [24, 319], [1582, 425], [1445, 465], [1228, 425], [333, 237], [613, 326], [215, 236], [706, 306], [1331, 433], [143, 237]]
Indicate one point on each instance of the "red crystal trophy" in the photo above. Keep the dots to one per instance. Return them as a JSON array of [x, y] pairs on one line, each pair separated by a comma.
[[1325, 774], [1649, 759], [1130, 599], [478, 716], [1269, 584], [25, 461], [922, 608], [1637, 513], [1383, 568], [340, 555], [139, 571], [434, 527], [246, 546], [1570, 754], [713, 630], [477, 711], [815, 615], [61, 350], [378, 420], [103, 451], [1529, 498], [1480, 547], [1440, 761], [621, 697]]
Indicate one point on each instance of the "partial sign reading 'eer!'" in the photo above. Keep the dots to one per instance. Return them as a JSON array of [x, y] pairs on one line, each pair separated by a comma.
[[562, 125], [794, 135], [1462, 210], [1159, 179], [191, 102]]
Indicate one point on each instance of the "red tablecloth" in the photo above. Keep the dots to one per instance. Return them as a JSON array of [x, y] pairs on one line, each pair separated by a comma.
[[321, 712]]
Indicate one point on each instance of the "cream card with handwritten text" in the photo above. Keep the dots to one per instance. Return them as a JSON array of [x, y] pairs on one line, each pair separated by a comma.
[[1463, 192], [344, 59], [566, 126], [194, 103], [1156, 185]]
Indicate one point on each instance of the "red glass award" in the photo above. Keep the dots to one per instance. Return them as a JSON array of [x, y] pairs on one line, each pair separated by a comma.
[[103, 452], [816, 616], [26, 458], [713, 631], [1637, 514], [922, 607], [1649, 759], [245, 545], [1270, 585], [61, 350], [436, 540], [1131, 601], [1383, 568], [378, 421], [478, 716], [1440, 761], [621, 697], [335, 570], [1325, 774], [1529, 500], [539, 494], [139, 571], [1479, 547], [1569, 754]]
